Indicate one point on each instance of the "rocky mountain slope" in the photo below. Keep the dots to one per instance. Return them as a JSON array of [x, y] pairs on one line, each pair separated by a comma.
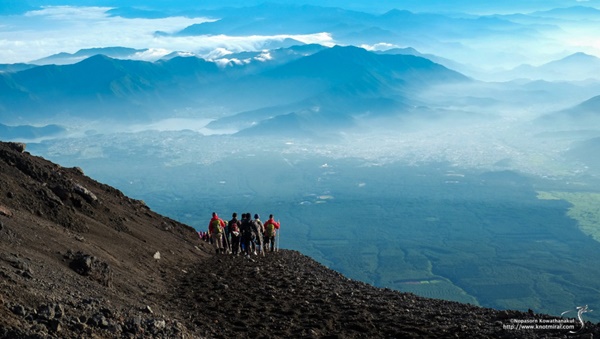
[[78, 259]]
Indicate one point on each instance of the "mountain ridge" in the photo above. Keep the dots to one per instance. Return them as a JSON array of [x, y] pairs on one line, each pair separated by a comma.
[[573, 67], [104, 88]]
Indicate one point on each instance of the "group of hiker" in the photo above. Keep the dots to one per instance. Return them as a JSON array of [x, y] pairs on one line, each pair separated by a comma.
[[246, 236]]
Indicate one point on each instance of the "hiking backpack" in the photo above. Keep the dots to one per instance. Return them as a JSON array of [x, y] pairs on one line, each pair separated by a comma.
[[216, 226], [270, 229]]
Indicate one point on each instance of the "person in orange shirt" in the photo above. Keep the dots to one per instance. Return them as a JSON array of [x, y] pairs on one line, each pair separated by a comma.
[[271, 227], [216, 228]]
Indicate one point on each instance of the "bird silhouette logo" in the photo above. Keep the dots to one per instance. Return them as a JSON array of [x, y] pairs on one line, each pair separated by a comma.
[[580, 310]]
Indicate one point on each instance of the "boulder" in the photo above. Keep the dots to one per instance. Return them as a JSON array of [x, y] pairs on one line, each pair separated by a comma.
[[17, 146], [91, 267], [85, 193]]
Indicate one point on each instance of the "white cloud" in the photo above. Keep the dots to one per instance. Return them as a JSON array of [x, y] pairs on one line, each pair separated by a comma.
[[264, 56], [224, 62], [52, 30], [217, 53], [151, 54], [382, 46], [207, 44]]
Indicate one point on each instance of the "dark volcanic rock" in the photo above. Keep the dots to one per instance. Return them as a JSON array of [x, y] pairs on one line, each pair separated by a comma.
[[17, 146], [77, 265]]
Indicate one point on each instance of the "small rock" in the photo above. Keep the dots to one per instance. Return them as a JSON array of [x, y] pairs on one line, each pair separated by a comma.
[[59, 311], [159, 324], [5, 211], [18, 310], [54, 326], [115, 329], [82, 264], [149, 310], [98, 320], [39, 330], [46, 312], [136, 324], [157, 255], [78, 170]]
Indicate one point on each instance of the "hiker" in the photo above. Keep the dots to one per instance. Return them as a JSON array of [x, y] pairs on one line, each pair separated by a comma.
[[215, 229], [248, 235], [270, 230], [259, 229], [234, 230]]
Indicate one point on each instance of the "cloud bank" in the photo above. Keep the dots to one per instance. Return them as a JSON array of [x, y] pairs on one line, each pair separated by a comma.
[[52, 30]]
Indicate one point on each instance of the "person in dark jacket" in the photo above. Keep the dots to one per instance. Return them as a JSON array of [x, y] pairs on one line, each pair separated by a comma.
[[234, 226], [248, 235]]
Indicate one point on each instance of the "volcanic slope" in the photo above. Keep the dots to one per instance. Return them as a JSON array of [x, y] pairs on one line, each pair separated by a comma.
[[79, 259]]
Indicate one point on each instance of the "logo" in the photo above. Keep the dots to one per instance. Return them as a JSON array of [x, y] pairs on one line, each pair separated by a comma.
[[580, 310]]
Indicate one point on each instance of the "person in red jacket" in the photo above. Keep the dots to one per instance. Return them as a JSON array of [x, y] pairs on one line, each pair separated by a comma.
[[216, 228], [271, 226]]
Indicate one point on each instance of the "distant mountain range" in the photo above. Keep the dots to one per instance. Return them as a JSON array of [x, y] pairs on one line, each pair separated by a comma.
[[397, 26], [26, 132], [318, 86], [585, 115], [454, 30], [587, 152], [575, 67], [571, 13], [71, 58]]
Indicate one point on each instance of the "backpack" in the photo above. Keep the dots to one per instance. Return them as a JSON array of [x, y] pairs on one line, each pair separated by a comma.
[[216, 226], [270, 229]]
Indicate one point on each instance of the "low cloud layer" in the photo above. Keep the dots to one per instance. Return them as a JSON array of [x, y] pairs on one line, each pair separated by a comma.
[[52, 30]]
